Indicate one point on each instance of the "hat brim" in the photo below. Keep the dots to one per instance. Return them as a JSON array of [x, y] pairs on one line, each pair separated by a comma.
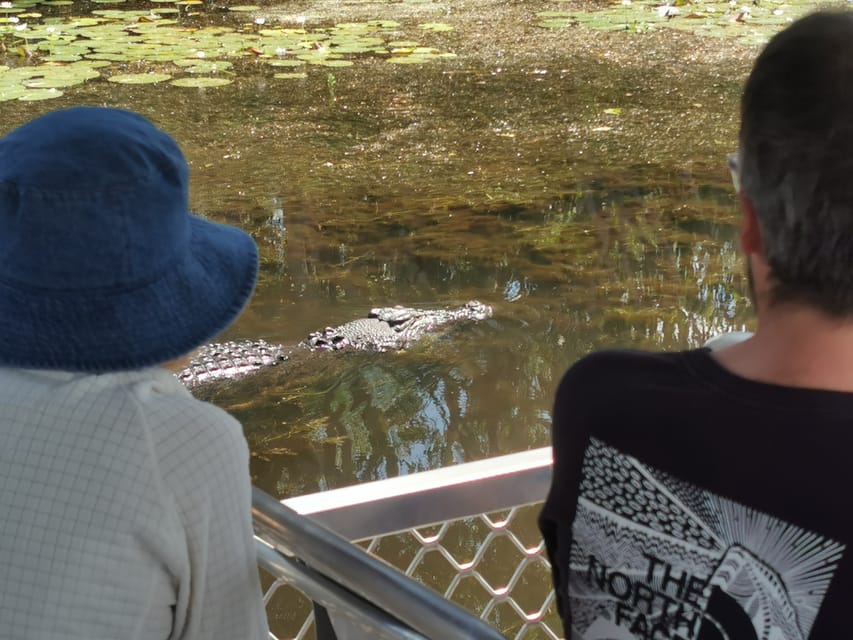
[[115, 330]]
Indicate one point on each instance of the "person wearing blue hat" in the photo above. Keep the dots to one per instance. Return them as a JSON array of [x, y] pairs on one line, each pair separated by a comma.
[[125, 502]]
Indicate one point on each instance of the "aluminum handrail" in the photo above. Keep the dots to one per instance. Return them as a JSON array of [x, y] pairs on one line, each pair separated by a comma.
[[384, 506], [354, 569]]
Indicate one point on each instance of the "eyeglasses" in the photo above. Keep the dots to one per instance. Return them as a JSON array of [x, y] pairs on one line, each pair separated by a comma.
[[733, 160]]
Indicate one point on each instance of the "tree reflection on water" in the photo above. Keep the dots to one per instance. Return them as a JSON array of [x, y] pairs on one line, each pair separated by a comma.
[[573, 179]]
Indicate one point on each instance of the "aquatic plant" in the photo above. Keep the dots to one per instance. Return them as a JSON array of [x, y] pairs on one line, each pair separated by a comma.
[[752, 23], [45, 49]]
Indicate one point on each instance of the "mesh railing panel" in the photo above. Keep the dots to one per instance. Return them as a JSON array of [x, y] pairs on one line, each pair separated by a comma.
[[491, 564]]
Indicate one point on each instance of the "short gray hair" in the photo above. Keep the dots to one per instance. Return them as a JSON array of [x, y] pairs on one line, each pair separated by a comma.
[[796, 160]]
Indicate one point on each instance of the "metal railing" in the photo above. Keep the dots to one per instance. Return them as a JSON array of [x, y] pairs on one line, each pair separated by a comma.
[[467, 531], [364, 597]]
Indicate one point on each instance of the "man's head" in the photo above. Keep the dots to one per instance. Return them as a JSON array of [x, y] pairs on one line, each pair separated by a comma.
[[796, 163]]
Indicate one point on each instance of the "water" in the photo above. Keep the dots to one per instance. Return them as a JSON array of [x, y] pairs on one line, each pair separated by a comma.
[[575, 180]]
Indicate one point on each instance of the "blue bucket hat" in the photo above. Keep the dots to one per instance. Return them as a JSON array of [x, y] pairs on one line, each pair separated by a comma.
[[102, 267]]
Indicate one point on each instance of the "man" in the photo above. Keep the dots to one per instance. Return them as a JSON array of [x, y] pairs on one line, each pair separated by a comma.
[[706, 495]]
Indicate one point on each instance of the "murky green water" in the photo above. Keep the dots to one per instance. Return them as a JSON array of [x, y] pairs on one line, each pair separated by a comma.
[[573, 179]]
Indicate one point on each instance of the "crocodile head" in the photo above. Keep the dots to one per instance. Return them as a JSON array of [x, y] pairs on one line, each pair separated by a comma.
[[476, 310], [388, 328]]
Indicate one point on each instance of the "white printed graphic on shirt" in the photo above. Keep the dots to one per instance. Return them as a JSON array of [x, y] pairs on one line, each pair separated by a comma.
[[655, 558]]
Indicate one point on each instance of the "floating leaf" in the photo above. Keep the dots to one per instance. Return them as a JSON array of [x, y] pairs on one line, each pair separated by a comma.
[[436, 26], [87, 22], [204, 66], [139, 78], [294, 75], [54, 83], [613, 112], [332, 63], [11, 93], [244, 8], [111, 35], [354, 48], [383, 24], [31, 95], [201, 82], [62, 57], [92, 64]]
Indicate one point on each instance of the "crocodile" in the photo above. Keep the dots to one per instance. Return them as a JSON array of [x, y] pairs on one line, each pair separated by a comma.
[[384, 329]]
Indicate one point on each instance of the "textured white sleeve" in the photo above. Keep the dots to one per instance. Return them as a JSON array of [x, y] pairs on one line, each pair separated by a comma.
[[203, 461]]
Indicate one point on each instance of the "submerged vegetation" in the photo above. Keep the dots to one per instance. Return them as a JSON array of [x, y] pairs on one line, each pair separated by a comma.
[[562, 161]]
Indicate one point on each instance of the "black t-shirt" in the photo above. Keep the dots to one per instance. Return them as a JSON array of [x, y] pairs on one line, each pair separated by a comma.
[[689, 503]]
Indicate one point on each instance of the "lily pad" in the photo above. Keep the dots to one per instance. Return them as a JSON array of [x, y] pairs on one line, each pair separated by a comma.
[[31, 95], [139, 78], [201, 82], [91, 64], [204, 66], [383, 24], [285, 63], [332, 63], [436, 26], [11, 93], [142, 36], [62, 57], [54, 83]]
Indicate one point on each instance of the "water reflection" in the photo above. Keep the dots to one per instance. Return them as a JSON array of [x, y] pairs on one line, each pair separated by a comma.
[[497, 176], [626, 267]]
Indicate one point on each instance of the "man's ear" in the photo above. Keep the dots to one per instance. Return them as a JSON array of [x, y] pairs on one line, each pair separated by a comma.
[[750, 230]]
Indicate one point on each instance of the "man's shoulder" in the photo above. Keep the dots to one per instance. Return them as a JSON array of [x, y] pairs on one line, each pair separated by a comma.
[[611, 369]]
